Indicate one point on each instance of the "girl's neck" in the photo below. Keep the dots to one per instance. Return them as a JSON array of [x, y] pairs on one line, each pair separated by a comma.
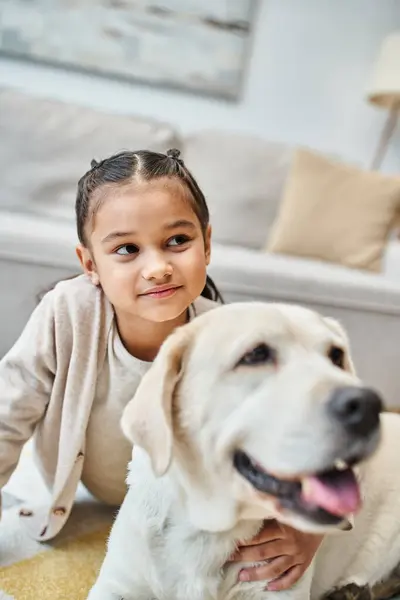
[[143, 338]]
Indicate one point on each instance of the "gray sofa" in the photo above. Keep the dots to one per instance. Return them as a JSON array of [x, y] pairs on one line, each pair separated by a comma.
[[47, 145]]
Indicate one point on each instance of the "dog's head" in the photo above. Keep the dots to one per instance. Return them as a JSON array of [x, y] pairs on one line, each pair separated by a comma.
[[257, 410]]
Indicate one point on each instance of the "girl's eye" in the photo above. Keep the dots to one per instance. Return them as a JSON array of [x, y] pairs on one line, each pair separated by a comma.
[[178, 240], [127, 250]]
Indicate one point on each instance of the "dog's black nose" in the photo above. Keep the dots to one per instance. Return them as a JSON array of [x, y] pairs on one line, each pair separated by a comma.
[[357, 409]]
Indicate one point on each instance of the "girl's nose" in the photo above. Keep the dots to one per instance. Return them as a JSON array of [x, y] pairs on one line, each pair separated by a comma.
[[156, 268]]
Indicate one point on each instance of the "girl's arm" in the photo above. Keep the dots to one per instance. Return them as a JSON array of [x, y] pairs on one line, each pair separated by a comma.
[[26, 378]]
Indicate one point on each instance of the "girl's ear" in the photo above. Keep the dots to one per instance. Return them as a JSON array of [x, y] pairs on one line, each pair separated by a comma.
[[207, 244], [87, 263]]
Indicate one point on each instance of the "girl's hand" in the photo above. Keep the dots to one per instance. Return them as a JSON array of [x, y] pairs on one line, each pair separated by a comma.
[[289, 553]]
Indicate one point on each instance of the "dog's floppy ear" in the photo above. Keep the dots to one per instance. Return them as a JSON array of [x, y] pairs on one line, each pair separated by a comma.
[[339, 330], [147, 418]]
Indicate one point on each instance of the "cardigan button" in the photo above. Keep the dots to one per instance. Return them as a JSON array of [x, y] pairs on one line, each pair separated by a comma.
[[59, 511]]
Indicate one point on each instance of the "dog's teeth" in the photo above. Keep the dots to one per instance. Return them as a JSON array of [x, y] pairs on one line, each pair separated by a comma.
[[305, 486], [340, 464]]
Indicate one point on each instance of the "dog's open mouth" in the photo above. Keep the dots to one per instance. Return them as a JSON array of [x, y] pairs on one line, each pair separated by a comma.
[[325, 498]]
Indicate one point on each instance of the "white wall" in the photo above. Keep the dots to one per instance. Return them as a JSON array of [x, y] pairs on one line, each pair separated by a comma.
[[308, 73]]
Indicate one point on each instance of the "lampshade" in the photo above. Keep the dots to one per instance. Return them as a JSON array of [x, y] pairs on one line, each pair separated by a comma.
[[384, 89]]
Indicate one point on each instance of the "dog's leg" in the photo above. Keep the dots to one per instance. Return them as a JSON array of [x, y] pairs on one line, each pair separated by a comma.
[[99, 592], [383, 590], [377, 560], [389, 587], [350, 591], [106, 591]]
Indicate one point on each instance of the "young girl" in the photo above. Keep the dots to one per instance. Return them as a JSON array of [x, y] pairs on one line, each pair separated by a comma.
[[144, 232]]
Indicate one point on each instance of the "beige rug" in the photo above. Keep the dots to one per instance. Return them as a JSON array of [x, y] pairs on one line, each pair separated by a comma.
[[63, 569]]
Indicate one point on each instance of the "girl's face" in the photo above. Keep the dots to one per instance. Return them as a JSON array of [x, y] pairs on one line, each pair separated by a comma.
[[147, 250]]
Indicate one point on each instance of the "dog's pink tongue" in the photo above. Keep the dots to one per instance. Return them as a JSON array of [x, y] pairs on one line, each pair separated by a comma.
[[337, 492]]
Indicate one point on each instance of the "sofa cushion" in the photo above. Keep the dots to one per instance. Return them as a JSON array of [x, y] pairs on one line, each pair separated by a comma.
[[46, 146], [242, 178], [335, 212]]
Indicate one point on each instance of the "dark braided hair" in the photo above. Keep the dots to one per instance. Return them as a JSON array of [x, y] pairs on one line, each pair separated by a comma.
[[142, 165]]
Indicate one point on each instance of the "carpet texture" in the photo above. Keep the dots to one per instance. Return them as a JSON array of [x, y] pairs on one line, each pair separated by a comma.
[[65, 572]]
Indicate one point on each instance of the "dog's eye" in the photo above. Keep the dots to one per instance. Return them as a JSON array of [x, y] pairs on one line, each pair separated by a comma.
[[336, 356], [260, 355]]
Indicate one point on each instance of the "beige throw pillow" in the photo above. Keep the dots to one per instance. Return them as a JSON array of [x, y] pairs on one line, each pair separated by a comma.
[[334, 212]]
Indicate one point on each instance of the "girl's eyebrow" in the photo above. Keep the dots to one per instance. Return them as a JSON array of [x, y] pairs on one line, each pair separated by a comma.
[[115, 235], [121, 234], [180, 223]]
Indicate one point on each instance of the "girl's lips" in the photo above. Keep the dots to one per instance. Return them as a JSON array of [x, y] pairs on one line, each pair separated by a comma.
[[162, 292]]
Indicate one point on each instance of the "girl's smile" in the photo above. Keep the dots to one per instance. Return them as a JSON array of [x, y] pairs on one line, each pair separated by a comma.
[[161, 291]]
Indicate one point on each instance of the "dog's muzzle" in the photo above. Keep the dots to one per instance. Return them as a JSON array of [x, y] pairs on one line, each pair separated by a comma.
[[326, 497]]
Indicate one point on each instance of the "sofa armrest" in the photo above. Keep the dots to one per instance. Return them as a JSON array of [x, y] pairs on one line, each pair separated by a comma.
[[391, 261], [255, 275]]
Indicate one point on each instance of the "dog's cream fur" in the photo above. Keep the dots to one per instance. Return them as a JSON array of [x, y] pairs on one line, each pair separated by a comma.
[[187, 507]]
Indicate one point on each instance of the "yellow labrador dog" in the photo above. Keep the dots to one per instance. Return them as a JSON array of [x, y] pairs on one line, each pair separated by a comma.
[[250, 412]]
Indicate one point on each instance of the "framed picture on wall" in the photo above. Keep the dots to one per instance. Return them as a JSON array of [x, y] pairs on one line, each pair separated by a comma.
[[201, 46]]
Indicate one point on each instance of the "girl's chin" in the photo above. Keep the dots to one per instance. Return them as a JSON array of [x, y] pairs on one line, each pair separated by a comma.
[[163, 314]]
